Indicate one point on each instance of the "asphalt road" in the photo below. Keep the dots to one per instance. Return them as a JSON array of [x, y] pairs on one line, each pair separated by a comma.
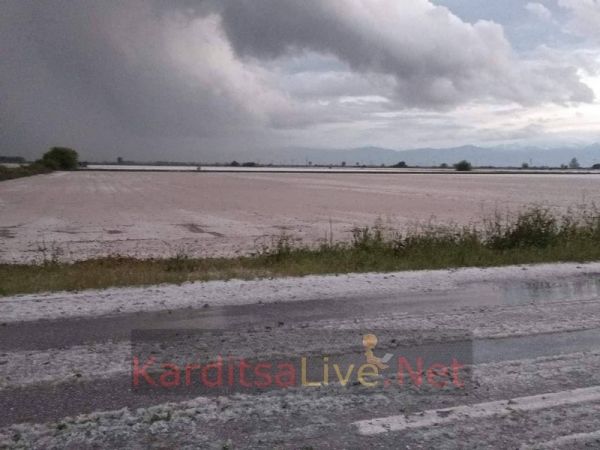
[[530, 378]]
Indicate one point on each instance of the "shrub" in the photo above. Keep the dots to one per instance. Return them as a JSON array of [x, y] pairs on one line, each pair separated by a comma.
[[574, 164], [367, 238], [536, 227], [60, 158], [463, 166], [10, 173]]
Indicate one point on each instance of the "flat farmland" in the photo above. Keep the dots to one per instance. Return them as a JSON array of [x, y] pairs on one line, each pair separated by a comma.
[[79, 215]]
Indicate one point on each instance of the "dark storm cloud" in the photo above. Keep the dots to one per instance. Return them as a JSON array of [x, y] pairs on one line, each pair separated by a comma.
[[115, 54], [176, 79], [110, 74]]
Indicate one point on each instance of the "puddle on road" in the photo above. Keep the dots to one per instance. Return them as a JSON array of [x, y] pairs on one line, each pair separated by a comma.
[[547, 344], [535, 346], [532, 292]]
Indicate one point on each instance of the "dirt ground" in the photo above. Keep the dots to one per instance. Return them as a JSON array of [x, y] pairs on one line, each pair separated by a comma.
[[84, 214]]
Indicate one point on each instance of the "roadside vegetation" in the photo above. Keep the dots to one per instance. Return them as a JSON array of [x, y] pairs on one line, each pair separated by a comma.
[[57, 158], [536, 235], [10, 173]]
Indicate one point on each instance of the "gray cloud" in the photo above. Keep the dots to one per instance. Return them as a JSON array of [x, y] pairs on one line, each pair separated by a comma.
[[196, 79], [130, 61], [435, 58], [584, 17], [136, 75]]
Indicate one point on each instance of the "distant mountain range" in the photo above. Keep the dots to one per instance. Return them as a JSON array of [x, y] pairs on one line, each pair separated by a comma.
[[478, 156], [500, 156]]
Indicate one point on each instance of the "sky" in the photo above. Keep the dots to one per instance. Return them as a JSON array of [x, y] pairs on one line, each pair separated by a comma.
[[212, 80]]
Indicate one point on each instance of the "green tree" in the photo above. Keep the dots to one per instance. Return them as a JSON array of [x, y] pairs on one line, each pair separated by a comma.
[[574, 164], [463, 166], [60, 158]]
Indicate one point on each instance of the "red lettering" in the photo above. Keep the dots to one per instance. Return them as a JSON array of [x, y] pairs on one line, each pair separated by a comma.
[[262, 371], [415, 375], [285, 376], [171, 377], [433, 372], [218, 381], [188, 372], [456, 366], [137, 371], [243, 366]]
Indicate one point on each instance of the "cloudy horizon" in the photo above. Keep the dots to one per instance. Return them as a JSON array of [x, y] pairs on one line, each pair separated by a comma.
[[208, 80]]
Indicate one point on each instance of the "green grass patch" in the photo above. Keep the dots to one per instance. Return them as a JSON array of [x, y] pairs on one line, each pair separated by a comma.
[[536, 235], [10, 173]]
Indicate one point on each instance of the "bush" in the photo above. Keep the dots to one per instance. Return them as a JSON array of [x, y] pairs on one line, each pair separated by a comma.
[[60, 158], [10, 173], [463, 166], [537, 227]]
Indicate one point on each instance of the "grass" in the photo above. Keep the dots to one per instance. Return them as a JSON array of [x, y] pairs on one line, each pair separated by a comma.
[[536, 235], [10, 173]]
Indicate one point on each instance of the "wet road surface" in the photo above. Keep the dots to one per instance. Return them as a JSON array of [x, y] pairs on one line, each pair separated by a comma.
[[66, 382]]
